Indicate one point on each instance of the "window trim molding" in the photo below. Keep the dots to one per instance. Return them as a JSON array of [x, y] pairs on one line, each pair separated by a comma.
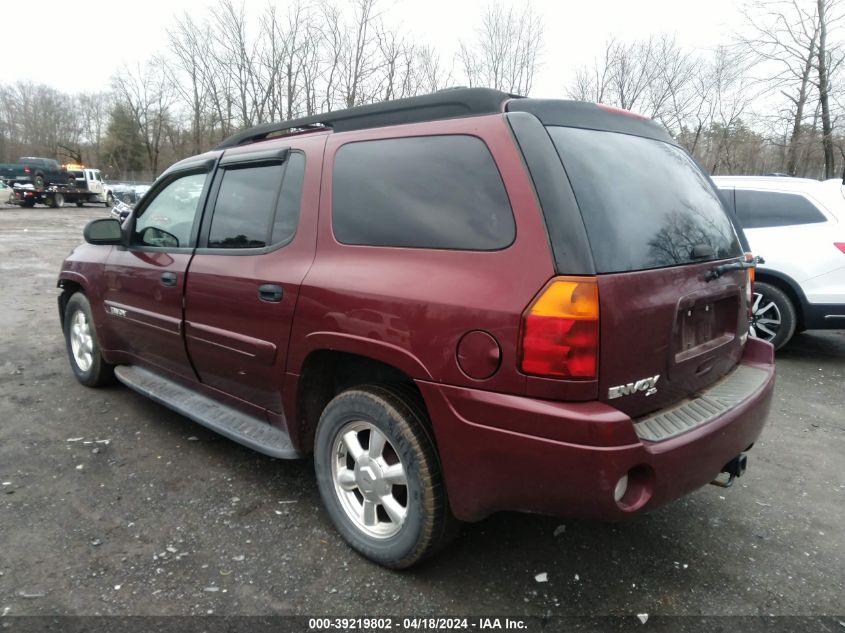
[[246, 161]]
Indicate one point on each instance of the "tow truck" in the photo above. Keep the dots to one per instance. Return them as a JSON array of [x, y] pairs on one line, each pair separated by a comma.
[[84, 185]]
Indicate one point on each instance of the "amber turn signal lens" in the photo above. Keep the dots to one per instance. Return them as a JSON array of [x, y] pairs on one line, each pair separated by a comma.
[[560, 330]]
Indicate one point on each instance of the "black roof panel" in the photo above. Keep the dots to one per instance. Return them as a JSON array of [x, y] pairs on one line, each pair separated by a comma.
[[445, 104], [590, 116]]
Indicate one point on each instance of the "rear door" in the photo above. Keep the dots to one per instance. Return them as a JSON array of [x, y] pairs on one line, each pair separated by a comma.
[[793, 232], [656, 227], [255, 248]]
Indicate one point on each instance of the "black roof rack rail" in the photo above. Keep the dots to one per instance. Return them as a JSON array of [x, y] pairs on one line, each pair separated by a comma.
[[444, 104]]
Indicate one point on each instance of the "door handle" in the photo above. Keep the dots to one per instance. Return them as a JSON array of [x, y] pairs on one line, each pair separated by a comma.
[[270, 292], [168, 279]]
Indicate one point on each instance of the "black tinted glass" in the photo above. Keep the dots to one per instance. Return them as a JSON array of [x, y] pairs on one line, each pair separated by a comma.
[[424, 192], [290, 198], [645, 203], [244, 207], [757, 209]]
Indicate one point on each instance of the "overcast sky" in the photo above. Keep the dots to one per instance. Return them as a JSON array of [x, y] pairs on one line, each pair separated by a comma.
[[78, 46]]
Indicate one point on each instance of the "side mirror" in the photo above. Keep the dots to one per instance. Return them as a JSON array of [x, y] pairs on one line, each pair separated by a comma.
[[103, 231]]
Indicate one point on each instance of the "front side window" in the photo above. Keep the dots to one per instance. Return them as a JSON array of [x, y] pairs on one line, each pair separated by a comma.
[[759, 209], [167, 220], [441, 192]]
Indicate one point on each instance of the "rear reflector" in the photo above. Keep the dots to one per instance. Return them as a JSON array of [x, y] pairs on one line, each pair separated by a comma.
[[840, 246], [560, 330]]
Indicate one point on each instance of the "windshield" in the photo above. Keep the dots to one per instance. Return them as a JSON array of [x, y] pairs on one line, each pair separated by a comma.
[[645, 203]]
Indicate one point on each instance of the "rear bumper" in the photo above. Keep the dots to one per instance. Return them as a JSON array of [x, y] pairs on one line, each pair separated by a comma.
[[503, 452], [824, 316]]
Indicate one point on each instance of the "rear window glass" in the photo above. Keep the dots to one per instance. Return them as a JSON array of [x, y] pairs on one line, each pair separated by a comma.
[[645, 203], [758, 209], [421, 192]]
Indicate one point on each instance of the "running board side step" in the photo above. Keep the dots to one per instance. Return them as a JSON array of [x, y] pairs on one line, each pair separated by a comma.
[[220, 418]]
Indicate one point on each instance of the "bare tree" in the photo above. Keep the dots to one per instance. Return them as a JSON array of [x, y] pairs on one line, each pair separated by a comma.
[[189, 45], [147, 94], [506, 52], [93, 112], [783, 42], [592, 83], [829, 15]]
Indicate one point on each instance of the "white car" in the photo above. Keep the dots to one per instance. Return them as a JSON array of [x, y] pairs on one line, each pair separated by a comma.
[[798, 226], [5, 193]]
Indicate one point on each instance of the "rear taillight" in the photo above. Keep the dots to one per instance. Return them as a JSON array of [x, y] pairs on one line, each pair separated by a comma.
[[26, 170], [749, 283], [840, 246], [560, 330]]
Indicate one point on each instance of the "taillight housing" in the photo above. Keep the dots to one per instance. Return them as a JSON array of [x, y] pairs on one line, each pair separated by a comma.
[[749, 285], [840, 246], [560, 330]]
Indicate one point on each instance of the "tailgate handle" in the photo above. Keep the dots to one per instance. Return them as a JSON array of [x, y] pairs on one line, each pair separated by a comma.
[[704, 368], [270, 292]]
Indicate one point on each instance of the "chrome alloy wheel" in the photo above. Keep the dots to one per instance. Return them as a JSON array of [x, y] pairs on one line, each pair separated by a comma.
[[81, 341], [765, 318], [369, 480]]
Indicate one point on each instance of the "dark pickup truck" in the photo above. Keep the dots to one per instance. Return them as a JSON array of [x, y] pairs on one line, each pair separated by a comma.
[[38, 172]]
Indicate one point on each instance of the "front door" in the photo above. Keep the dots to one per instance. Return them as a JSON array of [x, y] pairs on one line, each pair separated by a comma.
[[253, 252], [145, 282], [93, 181]]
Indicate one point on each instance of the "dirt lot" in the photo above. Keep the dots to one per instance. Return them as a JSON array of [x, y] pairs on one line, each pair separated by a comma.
[[111, 504]]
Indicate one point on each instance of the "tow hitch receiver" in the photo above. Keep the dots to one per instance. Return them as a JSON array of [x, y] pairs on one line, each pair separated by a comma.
[[734, 469]]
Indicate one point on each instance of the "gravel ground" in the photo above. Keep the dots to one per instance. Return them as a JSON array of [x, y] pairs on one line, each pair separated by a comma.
[[111, 504]]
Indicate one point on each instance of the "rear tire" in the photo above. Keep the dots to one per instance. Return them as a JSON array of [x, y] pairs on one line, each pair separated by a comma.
[[773, 316], [57, 201], [38, 182], [83, 348], [379, 476]]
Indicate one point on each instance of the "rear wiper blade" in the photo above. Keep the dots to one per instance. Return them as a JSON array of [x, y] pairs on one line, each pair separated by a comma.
[[718, 271]]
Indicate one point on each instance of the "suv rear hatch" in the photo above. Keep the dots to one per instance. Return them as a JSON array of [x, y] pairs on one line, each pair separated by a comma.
[[655, 227]]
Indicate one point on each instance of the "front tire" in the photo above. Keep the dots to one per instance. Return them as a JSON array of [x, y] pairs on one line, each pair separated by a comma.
[[83, 349], [379, 475], [773, 316]]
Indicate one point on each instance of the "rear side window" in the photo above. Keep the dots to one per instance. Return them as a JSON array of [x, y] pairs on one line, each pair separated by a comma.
[[645, 203], [759, 209], [251, 211], [422, 192]]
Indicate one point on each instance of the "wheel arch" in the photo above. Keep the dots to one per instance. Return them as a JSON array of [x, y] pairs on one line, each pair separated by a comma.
[[789, 286], [70, 283], [324, 374]]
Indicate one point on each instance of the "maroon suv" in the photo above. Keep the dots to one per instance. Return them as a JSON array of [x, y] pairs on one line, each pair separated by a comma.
[[459, 303]]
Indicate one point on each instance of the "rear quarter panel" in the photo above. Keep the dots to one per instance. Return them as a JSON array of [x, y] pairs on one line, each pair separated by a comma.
[[410, 307]]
